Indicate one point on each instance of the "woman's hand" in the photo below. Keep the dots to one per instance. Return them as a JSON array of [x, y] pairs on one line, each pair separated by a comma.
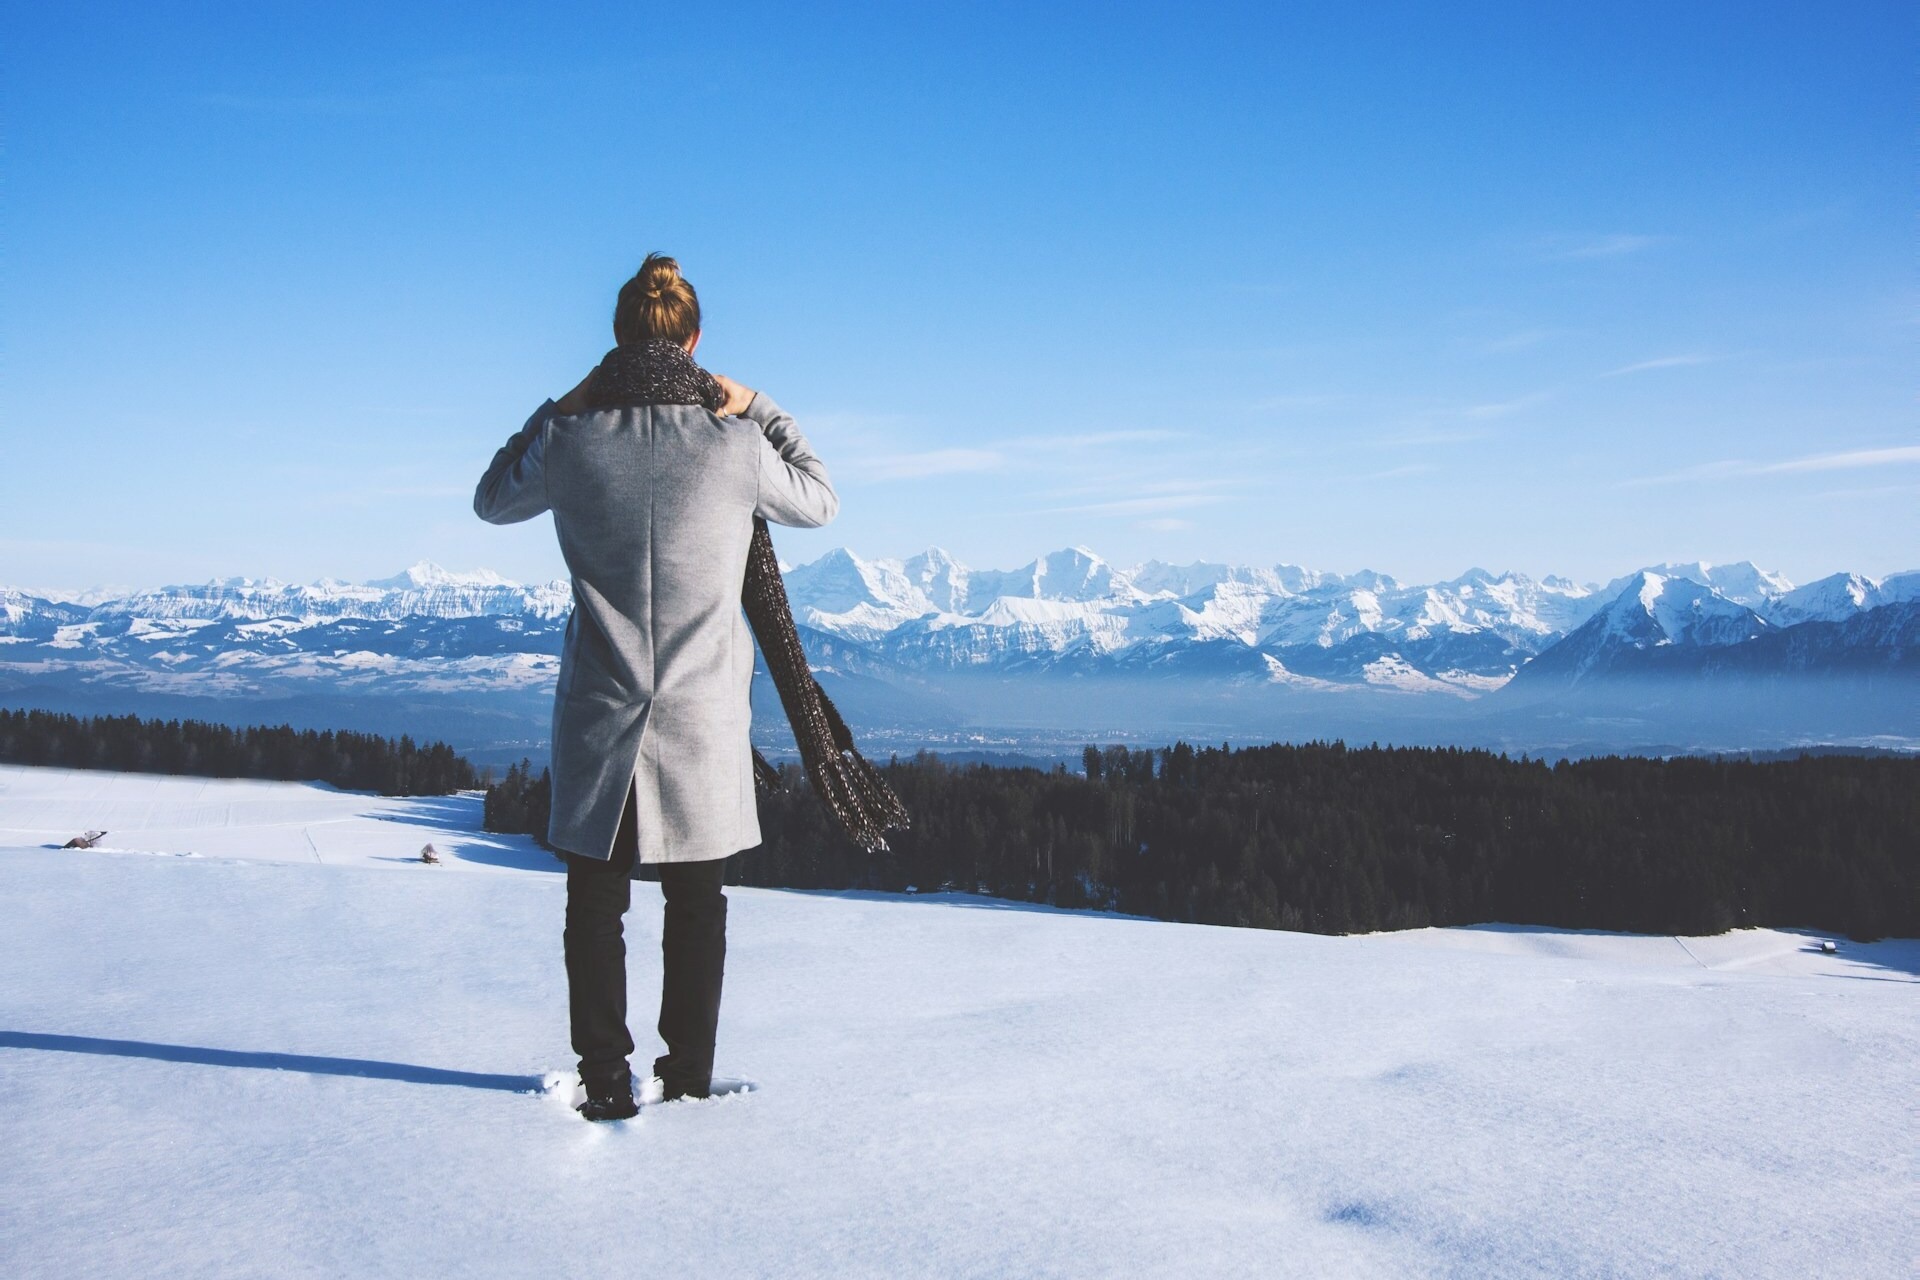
[[738, 397], [575, 401]]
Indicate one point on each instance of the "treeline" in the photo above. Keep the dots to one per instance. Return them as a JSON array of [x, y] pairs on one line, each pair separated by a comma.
[[1329, 839], [351, 761], [520, 802]]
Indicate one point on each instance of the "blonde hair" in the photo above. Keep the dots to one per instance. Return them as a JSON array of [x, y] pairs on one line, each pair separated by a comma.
[[656, 303]]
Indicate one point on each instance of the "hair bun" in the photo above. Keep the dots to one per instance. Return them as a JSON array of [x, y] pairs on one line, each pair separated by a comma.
[[657, 303]]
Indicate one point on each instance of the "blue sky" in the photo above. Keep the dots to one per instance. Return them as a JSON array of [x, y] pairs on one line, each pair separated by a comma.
[[1406, 287]]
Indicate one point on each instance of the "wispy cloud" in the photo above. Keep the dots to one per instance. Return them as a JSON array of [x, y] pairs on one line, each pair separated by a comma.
[[1573, 248], [1850, 460], [1092, 439], [83, 546], [1703, 471], [857, 421], [1411, 469], [1137, 482], [1870, 491], [1822, 364], [1660, 362], [931, 462], [1164, 524], [1503, 408], [1431, 425], [1040, 454], [379, 495], [1432, 436], [1307, 400], [1145, 504], [1847, 461]]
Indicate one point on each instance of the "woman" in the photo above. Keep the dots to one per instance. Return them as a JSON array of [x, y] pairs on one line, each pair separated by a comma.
[[655, 472]]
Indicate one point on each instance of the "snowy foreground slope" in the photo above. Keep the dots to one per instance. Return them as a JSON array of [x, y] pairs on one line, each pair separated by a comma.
[[295, 1053]]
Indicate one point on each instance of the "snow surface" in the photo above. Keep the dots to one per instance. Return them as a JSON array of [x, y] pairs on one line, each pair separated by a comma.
[[297, 1054]]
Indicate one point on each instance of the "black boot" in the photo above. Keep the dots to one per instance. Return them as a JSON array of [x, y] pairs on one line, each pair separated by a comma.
[[675, 1085], [610, 1101]]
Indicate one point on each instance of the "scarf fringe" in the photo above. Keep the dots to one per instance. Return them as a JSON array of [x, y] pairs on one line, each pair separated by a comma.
[[766, 778], [846, 781]]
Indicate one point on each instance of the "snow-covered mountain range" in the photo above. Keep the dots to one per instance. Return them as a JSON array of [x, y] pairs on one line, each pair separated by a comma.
[[915, 639], [1074, 612]]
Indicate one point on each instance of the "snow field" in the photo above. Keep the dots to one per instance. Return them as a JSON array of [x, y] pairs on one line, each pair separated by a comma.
[[942, 1085]]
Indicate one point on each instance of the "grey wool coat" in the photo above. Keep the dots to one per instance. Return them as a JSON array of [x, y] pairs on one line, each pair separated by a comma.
[[654, 507]]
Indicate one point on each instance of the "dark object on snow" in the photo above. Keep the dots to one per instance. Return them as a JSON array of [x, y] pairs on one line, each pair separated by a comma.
[[427, 855], [676, 1092], [610, 1101], [613, 1106], [86, 841], [660, 372]]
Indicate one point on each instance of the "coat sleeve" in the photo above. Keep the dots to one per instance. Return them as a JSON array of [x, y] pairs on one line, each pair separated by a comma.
[[794, 488], [514, 487]]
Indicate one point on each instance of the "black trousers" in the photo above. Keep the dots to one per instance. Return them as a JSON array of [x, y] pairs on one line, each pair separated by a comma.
[[693, 954]]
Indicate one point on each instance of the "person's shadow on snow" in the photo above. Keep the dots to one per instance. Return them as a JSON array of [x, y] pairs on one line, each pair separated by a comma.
[[367, 1068]]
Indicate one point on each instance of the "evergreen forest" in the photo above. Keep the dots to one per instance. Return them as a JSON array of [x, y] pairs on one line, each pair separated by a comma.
[[348, 760], [520, 803], [1318, 836], [1332, 839]]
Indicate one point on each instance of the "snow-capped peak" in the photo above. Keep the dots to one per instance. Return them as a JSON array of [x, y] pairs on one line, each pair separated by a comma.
[[1741, 582], [861, 599], [939, 577], [1075, 573], [239, 583], [1830, 599], [1662, 609], [425, 575]]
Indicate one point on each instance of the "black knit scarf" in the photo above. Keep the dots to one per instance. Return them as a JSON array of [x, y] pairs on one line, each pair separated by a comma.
[[660, 372]]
